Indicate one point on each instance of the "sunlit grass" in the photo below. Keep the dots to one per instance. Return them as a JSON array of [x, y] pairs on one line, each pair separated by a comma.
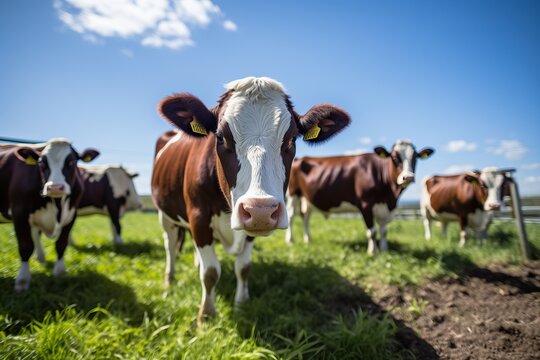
[[307, 301]]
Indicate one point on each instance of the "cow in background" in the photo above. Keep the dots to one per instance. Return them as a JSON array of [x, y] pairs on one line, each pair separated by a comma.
[[40, 188], [469, 198], [223, 176], [368, 183]]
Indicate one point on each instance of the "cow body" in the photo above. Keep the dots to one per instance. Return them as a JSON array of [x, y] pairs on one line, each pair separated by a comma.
[[469, 198], [223, 175], [369, 183], [40, 187], [109, 190]]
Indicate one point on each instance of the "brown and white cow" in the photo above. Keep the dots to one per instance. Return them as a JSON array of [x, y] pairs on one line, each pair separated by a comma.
[[469, 198], [40, 188], [368, 183], [223, 176]]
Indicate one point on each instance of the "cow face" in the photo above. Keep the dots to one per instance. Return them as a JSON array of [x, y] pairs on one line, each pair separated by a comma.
[[254, 128], [404, 157], [494, 181], [57, 164]]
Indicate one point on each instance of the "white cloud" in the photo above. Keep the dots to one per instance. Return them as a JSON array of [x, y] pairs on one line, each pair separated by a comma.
[[365, 140], [356, 151], [459, 145], [156, 23], [229, 25], [531, 166], [509, 149], [454, 169]]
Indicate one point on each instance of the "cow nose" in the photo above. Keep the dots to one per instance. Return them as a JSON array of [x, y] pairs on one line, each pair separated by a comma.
[[260, 215], [408, 179], [56, 188], [494, 206]]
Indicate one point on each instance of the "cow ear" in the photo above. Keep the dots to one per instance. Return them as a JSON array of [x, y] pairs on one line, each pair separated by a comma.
[[472, 179], [322, 122], [425, 153], [28, 155], [381, 151], [189, 114], [89, 155], [133, 175]]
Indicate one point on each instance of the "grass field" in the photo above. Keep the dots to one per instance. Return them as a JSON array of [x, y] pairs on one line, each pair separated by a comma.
[[304, 298]]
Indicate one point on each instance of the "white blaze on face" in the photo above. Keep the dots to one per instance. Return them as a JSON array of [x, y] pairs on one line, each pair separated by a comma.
[[406, 152], [493, 181], [56, 153], [258, 118]]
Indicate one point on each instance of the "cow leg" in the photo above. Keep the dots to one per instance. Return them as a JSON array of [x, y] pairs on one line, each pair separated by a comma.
[[292, 208], [116, 228], [36, 237], [306, 214], [444, 229], [170, 238], [181, 239], [60, 245], [383, 244], [463, 232], [371, 231], [26, 248], [242, 264], [209, 272], [427, 228]]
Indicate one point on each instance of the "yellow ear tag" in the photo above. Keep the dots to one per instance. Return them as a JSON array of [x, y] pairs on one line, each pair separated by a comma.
[[312, 133], [197, 127], [423, 156], [30, 161], [87, 158], [382, 155]]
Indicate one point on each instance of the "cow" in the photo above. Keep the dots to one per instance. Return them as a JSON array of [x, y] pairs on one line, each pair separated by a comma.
[[469, 198], [223, 174], [368, 183], [40, 188]]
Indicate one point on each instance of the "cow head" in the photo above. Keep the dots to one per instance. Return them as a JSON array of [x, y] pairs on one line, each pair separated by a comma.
[[404, 157], [494, 181], [254, 128], [57, 163]]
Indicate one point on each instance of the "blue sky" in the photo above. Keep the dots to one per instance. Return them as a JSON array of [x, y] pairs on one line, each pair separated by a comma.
[[462, 77]]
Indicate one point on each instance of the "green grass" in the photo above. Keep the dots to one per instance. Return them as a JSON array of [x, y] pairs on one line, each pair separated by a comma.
[[307, 301]]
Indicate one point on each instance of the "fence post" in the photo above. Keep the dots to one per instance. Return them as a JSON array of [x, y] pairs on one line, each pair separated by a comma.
[[518, 215]]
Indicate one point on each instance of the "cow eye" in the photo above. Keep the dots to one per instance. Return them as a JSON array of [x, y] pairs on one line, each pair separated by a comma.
[[219, 137]]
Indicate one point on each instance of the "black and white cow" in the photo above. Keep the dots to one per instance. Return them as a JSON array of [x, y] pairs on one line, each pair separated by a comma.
[[40, 188]]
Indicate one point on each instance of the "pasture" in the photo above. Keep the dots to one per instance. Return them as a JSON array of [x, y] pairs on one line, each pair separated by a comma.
[[317, 301]]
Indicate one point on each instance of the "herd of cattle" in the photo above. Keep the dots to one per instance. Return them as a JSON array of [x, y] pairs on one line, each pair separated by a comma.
[[228, 174]]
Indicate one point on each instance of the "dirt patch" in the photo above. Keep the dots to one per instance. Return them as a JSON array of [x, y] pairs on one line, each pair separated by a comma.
[[487, 313]]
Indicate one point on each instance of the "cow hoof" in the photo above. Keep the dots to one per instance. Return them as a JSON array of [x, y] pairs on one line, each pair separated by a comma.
[[59, 269], [22, 285], [118, 241], [205, 318], [168, 281]]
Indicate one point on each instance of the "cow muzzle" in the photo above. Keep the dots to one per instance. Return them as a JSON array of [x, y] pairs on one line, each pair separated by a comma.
[[493, 206], [405, 179], [55, 190], [259, 217]]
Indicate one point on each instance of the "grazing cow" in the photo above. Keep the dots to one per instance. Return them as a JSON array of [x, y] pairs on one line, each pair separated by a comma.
[[40, 188], [368, 183], [469, 198], [223, 176]]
